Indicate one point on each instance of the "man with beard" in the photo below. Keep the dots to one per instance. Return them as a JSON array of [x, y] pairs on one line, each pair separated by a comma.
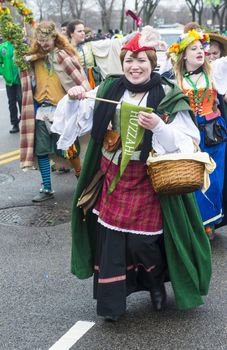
[[55, 68]]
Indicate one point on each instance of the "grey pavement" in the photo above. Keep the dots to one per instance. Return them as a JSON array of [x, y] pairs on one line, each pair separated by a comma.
[[40, 300]]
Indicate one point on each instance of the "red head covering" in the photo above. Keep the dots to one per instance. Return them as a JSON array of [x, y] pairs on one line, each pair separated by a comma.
[[148, 39], [134, 45]]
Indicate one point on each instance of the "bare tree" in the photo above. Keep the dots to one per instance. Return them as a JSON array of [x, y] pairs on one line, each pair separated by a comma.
[[222, 15], [145, 9], [61, 5], [196, 8], [40, 4], [42, 8], [106, 7], [148, 8], [58, 9], [219, 11], [123, 3], [76, 7], [68, 8]]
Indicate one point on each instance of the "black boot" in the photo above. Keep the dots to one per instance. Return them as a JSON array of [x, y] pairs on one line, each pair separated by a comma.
[[158, 297], [111, 318], [14, 129]]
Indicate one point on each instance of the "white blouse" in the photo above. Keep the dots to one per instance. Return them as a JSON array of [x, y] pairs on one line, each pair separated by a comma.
[[219, 70], [74, 118]]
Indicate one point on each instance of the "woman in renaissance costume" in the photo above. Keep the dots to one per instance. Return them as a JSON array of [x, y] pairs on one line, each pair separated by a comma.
[[134, 239], [201, 81]]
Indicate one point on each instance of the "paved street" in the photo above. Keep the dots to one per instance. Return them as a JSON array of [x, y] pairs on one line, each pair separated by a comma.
[[41, 300]]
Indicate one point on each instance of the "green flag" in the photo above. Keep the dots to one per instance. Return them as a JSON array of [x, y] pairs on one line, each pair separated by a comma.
[[131, 136]]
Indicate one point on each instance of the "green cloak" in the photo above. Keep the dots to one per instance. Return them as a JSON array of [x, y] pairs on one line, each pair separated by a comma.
[[186, 244]]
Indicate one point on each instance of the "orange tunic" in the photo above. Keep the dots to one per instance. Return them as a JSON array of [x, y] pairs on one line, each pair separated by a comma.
[[205, 107]]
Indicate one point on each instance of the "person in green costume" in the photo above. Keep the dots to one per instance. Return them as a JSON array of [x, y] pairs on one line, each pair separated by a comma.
[[10, 73], [134, 239]]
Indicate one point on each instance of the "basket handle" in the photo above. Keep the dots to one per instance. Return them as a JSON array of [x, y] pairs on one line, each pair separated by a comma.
[[197, 146]]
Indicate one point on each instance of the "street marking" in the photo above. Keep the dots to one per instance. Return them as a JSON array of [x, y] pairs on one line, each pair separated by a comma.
[[9, 157], [72, 336], [2, 90], [4, 161], [5, 155]]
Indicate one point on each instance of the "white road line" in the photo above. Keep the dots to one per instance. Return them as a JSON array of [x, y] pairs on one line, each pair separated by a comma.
[[2, 90], [72, 336]]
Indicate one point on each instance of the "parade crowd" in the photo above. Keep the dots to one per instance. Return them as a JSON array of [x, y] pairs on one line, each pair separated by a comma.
[[131, 237]]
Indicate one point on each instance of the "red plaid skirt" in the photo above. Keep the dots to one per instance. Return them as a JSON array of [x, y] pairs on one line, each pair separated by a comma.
[[133, 206]]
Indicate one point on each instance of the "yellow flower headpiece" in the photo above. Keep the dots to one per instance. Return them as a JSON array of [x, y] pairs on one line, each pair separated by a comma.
[[186, 39]]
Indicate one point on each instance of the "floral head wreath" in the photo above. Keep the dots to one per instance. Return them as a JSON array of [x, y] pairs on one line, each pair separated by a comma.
[[46, 29], [185, 40]]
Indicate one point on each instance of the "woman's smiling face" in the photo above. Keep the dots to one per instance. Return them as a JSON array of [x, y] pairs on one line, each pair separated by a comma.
[[137, 68]]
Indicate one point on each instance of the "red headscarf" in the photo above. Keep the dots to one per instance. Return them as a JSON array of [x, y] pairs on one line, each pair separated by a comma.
[[134, 45], [147, 39]]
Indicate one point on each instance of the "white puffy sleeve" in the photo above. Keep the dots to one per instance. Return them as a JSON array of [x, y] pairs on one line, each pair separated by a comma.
[[72, 119], [176, 137], [219, 71], [165, 66]]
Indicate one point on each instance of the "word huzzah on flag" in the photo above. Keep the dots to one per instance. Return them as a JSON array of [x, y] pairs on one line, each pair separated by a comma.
[[131, 136]]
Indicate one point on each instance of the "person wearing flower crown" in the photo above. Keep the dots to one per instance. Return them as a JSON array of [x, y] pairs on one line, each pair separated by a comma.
[[133, 239], [200, 82], [54, 69]]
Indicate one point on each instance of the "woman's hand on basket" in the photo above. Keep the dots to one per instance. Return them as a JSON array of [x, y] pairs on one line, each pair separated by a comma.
[[77, 92], [148, 120]]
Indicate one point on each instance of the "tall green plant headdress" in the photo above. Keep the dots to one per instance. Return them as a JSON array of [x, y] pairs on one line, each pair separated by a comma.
[[14, 32]]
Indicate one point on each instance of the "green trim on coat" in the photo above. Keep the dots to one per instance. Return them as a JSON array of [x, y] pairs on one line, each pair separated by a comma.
[[187, 249]]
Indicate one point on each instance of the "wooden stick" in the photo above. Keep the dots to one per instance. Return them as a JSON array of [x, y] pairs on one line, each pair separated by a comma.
[[102, 99]]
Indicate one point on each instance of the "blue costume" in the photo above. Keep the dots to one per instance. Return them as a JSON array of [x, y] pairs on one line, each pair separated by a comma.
[[213, 136]]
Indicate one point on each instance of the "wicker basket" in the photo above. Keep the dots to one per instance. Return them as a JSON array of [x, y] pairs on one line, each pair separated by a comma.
[[174, 177]]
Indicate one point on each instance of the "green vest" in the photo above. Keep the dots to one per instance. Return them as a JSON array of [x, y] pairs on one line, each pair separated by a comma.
[[187, 246]]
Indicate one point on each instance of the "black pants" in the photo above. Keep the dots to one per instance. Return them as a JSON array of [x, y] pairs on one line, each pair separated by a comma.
[[14, 99]]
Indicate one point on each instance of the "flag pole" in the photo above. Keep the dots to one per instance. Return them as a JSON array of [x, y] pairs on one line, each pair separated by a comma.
[[102, 99]]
